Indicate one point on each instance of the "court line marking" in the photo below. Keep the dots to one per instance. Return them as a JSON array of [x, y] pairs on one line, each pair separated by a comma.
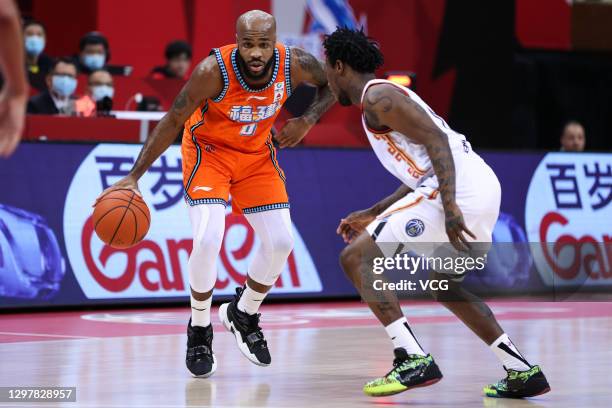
[[457, 322], [46, 335]]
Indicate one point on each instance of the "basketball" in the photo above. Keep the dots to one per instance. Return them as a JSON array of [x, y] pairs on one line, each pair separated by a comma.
[[121, 218]]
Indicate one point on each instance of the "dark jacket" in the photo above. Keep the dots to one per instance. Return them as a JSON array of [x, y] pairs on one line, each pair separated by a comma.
[[37, 74], [42, 104]]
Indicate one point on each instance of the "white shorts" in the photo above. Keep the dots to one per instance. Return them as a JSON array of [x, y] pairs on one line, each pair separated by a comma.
[[416, 223]]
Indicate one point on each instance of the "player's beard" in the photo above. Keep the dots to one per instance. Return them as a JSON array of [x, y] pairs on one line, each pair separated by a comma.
[[244, 68]]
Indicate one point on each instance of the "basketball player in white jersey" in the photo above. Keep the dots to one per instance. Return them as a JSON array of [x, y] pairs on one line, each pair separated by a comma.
[[448, 195]]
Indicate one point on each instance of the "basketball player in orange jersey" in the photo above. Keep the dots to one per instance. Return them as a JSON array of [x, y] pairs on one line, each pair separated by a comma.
[[14, 93], [227, 108]]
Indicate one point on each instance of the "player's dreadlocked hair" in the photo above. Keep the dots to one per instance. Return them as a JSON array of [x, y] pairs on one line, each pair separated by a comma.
[[354, 48]]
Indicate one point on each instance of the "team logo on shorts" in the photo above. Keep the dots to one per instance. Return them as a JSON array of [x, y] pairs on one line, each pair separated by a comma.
[[415, 227]]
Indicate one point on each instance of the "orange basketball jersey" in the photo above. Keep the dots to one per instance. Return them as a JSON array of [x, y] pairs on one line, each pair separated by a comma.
[[241, 117]]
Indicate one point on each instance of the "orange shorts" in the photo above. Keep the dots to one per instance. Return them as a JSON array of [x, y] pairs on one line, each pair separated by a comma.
[[212, 172]]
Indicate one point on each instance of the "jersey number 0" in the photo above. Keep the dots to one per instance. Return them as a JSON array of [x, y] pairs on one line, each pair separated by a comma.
[[248, 130]]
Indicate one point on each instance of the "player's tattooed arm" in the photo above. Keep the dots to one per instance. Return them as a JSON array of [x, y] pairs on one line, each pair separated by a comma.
[[386, 202], [306, 69], [388, 107], [205, 82]]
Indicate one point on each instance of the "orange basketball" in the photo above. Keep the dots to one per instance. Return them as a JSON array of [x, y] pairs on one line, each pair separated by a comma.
[[121, 218]]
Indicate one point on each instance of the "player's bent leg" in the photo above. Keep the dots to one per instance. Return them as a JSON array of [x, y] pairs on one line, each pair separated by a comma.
[[412, 368], [208, 223], [522, 379], [241, 316], [357, 260], [470, 309]]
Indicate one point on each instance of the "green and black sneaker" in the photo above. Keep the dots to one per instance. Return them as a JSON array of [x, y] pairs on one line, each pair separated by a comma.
[[409, 371], [519, 384]]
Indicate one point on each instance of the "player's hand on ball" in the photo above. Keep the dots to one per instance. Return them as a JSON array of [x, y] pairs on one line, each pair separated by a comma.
[[126, 183], [293, 132], [354, 224], [455, 228]]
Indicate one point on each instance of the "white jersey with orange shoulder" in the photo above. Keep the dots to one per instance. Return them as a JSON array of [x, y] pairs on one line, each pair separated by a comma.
[[405, 159]]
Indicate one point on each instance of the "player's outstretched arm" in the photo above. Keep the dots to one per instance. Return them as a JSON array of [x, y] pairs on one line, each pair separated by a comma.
[[356, 222], [14, 94], [205, 82], [387, 106], [306, 69]]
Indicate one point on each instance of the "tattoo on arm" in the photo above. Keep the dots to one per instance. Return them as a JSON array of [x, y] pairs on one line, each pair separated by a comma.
[[434, 139], [180, 102], [377, 101], [386, 202], [311, 67], [322, 102], [312, 71], [439, 153]]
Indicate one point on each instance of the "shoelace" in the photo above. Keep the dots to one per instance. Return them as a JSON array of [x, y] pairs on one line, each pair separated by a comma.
[[400, 363], [255, 335], [251, 321], [200, 337], [201, 351], [512, 376]]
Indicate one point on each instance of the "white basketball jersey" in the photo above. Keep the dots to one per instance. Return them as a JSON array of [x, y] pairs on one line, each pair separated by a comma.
[[406, 160]]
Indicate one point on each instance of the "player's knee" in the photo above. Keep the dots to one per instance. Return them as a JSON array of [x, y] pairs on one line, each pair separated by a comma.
[[280, 244], [206, 244], [444, 291]]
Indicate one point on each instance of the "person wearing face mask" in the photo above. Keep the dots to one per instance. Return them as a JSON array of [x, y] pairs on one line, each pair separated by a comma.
[[37, 63], [94, 53], [99, 99], [58, 98]]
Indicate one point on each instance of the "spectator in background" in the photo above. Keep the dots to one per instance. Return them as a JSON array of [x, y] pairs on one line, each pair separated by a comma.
[[38, 64], [178, 62], [94, 53], [573, 138], [99, 98], [61, 84]]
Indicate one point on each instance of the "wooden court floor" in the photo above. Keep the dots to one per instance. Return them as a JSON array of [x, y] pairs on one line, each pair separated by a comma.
[[322, 354]]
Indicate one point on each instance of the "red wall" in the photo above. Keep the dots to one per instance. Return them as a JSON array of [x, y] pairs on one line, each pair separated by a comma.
[[66, 22], [408, 32], [138, 30], [215, 22], [543, 24]]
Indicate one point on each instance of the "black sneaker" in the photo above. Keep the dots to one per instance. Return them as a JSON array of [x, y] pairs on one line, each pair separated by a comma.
[[245, 327], [519, 384], [409, 371], [200, 360]]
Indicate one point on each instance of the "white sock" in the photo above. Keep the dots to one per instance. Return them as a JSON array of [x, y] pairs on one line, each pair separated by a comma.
[[250, 300], [402, 336], [508, 354], [200, 312]]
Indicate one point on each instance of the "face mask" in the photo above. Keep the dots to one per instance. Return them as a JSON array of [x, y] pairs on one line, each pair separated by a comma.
[[94, 61], [101, 91], [64, 85], [34, 44]]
